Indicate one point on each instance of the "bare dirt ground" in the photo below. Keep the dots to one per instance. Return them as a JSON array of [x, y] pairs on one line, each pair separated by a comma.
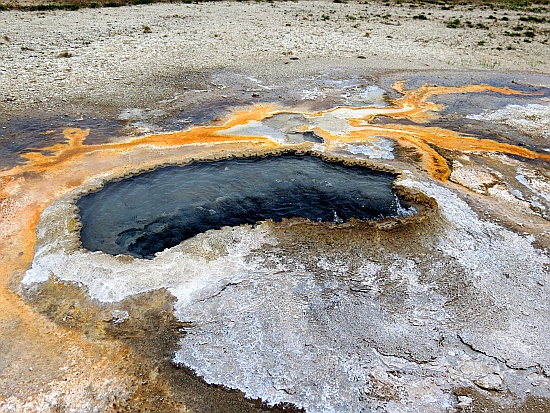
[[136, 56], [62, 351]]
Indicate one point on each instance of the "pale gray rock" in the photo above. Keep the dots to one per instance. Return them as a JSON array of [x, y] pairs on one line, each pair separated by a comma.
[[491, 381]]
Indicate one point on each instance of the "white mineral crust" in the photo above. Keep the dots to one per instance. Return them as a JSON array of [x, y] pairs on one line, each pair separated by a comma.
[[324, 334]]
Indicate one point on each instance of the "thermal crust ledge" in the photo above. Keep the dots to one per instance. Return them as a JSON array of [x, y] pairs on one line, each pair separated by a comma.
[[399, 314]]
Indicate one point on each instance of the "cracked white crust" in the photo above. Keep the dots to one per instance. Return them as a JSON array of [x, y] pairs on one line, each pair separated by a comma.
[[339, 333]]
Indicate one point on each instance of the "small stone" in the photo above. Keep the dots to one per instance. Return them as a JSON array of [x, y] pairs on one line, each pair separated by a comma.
[[491, 381], [464, 402], [65, 53], [118, 316]]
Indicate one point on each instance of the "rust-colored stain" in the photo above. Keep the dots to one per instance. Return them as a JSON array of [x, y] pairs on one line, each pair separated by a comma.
[[27, 189], [422, 110], [413, 105]]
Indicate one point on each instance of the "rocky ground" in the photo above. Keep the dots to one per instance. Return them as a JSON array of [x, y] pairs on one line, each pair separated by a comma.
[[445, 313]]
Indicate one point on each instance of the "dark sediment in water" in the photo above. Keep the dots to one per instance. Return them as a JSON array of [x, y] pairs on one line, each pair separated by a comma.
[[148, 213]]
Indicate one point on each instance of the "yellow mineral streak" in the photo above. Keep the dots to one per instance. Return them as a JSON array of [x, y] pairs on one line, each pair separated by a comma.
[[74, 149], [75, 138], [450, 140], [425, 138], [27, 189], [414, 106], [422, 110]]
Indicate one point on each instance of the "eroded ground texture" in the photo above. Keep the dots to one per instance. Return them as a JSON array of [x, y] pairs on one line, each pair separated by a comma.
[[443, 310]]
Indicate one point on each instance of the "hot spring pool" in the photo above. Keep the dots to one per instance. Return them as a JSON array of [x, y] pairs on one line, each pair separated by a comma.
[[148, 213]]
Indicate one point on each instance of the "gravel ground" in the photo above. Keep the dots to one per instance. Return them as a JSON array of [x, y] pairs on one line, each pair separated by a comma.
[[114, 58]]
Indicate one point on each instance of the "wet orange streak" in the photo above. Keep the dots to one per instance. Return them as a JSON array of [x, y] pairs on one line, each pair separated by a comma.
[[414, 104], [423, 93], [450, 140], [418, 98], [74, 149], [422, 137], [420, 110], [432, 161]]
